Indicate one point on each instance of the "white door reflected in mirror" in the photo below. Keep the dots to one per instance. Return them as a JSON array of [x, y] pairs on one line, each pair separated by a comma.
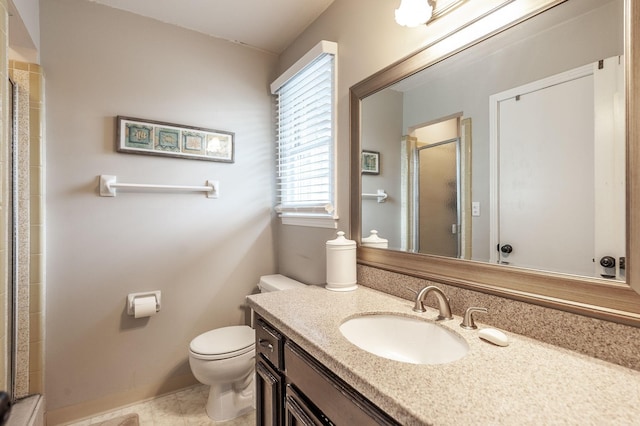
[[558, 192]]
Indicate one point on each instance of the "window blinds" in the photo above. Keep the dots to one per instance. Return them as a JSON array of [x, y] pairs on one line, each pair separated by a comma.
[[305, 109]]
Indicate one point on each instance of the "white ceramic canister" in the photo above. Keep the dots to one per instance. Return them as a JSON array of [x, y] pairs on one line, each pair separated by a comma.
[[374, 240], [341, 264]]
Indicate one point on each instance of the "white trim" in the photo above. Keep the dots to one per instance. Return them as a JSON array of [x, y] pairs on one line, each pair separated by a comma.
[[303, 210], [334, 133], [319, 49]]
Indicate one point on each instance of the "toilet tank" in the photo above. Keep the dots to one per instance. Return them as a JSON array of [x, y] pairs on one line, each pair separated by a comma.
[[277, 282]]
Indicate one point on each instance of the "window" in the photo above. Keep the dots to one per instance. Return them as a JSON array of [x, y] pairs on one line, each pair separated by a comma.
[[305, 97]]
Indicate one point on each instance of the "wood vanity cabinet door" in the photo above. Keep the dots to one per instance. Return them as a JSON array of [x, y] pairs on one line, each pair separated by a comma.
[[269, 390], [334, 398], [298, 412]]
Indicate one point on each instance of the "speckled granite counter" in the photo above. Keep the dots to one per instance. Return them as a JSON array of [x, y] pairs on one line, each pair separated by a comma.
[[527, 382]]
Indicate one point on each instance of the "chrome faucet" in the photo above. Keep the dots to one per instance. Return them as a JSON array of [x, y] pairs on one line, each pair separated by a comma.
[[443, 302]]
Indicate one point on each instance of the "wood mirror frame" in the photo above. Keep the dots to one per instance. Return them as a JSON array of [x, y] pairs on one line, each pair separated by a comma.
[[593, 297]]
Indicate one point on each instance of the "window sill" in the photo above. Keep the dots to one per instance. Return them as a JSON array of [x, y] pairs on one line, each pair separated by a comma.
[[311, 221]]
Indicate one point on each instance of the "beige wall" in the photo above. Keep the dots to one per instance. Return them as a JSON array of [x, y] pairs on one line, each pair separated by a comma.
[[24, 30], [368, 40], [204, 254]]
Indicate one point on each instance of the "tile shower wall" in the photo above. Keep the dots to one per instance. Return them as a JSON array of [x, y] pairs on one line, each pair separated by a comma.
[[616, 343], [30, 316]]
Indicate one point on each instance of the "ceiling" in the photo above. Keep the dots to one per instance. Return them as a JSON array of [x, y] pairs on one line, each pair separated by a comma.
[[268, 25]]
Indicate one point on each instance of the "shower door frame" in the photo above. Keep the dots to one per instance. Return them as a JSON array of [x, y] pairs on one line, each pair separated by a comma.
[[12, 248]]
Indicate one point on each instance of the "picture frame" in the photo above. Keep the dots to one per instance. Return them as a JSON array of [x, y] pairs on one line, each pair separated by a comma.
[[370, 162], [149, 137]]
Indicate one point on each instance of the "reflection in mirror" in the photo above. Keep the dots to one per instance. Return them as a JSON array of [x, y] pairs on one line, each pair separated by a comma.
[[437, 205], [512, 151]]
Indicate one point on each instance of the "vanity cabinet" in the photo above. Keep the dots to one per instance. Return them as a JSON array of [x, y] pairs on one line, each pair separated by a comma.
[[293, 388]]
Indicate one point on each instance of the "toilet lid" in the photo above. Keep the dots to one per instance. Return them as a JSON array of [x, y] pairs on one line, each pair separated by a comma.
[[223, 340], [277, 282]]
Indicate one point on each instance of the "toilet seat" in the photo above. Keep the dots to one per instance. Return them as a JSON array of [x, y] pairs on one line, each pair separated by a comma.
[[222, 343]]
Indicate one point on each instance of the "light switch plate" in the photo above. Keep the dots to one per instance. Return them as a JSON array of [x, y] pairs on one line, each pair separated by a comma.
[[475, 208]]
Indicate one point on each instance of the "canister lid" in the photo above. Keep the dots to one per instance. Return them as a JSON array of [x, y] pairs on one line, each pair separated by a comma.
[[341, 241], [374, 238]]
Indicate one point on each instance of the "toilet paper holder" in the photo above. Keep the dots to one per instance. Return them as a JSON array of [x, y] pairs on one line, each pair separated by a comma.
[[132, 296]]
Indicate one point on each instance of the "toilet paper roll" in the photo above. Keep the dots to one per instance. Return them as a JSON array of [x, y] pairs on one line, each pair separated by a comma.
[[144, 306]]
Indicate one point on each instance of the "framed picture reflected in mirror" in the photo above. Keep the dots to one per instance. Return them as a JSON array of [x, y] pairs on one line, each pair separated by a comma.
[[370, 162]]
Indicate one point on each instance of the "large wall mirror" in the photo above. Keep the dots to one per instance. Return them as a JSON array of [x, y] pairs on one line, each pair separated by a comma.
[[507, 159]]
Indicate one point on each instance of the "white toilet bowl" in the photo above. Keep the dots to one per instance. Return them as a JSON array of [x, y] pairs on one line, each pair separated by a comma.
[[224, 359]]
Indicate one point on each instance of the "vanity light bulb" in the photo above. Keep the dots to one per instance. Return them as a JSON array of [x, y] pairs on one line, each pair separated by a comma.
[[413, 13]]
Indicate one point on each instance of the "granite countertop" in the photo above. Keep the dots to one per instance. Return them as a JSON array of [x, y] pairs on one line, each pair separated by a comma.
[[527, 382]]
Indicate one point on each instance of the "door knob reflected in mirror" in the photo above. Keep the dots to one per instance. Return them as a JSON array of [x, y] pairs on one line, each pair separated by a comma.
[[506, 249], [608, 262]]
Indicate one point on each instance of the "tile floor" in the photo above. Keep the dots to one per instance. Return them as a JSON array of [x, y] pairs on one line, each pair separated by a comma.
[[183, 408]]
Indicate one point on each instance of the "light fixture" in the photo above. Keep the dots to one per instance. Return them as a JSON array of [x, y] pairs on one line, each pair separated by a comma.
[[413, 13]]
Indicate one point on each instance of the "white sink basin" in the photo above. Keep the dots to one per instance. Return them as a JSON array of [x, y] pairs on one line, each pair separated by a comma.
[[404, 339]]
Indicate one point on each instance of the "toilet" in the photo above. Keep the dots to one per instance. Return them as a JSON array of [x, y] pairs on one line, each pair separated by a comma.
[[224, 359]]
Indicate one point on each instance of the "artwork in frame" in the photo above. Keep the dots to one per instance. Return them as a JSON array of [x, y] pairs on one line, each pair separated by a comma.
[[140, 136], [370, 162]]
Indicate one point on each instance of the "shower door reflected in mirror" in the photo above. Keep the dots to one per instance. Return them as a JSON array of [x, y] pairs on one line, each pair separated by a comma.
[[438, 204], [433, 182]]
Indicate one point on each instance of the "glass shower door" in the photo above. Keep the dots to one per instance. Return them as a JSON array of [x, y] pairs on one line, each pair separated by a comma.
[[439, 198]]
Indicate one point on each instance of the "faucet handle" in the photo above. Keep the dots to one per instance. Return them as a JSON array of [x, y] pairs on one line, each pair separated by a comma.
[[467, 320], [418, 306]]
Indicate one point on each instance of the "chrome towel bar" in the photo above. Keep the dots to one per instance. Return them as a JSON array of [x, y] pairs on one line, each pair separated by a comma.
[[108, 186], [380, 195]]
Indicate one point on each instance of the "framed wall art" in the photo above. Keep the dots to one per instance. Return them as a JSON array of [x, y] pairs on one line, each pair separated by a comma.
[[140, 136], [370, 162]]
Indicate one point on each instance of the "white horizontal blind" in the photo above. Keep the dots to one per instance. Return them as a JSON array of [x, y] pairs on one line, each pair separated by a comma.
[[305, 110]]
